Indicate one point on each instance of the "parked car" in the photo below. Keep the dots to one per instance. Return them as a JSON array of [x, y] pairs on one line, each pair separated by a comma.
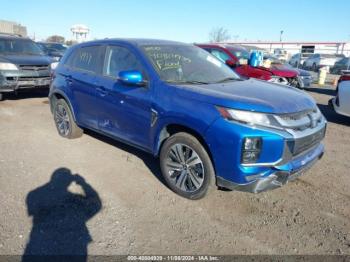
[[304, 78], [297, 60], [54, 50], [22, 64], [341, 102], [316, 61], [237, 57], [341, 65], [178, 102], [281, 54]]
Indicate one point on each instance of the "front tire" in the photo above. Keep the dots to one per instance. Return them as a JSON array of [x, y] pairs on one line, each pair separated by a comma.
[[314, 67], [1, 96], [64, 120], [186, 166]]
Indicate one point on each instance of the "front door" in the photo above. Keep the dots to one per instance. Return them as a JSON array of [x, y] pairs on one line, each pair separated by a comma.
[[124, 110]]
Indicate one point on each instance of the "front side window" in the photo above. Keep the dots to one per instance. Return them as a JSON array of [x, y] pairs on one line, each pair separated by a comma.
[[19, 46], [85, 58], [187, 64], [120, 59]]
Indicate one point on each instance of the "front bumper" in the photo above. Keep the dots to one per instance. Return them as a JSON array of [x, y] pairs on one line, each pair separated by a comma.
[[278, 176], [12, 80], [305, 81], [284, 154]]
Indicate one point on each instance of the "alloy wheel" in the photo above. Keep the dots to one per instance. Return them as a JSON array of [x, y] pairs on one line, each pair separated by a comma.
[[185, 168], [62, 120]]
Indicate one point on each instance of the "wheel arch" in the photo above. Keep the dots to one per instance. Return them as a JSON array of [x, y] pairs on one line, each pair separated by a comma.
[[172, 128], [60, 95]]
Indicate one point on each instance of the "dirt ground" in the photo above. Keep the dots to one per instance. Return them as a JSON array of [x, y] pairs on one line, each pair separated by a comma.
[[133, 212]]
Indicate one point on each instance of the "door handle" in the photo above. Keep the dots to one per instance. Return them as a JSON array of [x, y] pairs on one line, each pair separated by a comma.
[[102, 90]]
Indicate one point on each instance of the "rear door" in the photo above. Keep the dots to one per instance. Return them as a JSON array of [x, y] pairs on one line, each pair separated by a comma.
[[86, 64], [124, 111]]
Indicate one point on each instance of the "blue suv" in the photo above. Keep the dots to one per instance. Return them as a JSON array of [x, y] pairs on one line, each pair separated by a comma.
[[176, 101]]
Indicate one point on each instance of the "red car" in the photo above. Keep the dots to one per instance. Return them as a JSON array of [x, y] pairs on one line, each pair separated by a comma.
[[237, 57]]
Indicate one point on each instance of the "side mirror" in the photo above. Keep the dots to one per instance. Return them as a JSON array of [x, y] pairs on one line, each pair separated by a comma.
[[230, 63], [133, 78]]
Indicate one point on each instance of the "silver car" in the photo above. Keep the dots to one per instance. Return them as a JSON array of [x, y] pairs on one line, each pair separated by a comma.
[[297, 60], [316, 61]]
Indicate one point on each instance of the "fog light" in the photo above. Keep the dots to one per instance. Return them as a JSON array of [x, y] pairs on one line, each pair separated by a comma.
[[251, 150]]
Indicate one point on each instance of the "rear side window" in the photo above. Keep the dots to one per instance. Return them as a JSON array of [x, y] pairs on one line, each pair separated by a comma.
[[86, 58], [220, 55], [121, 59]]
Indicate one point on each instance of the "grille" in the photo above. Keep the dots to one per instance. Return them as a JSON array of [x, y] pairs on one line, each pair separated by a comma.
[[34, 67], [33, 78], [302, 144], [300, 121]]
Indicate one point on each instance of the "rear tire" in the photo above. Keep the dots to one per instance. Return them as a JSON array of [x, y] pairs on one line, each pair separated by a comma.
[[186, 166], [64, 120], [1, 96]]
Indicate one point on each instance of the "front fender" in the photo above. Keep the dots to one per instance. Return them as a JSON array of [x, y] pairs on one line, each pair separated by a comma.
[[197, 125]]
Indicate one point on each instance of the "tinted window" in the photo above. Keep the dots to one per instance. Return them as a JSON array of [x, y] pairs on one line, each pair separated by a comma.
[[120, 59], [86, 58]]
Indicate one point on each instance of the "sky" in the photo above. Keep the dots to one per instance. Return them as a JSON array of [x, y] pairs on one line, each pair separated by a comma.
[[185, 20]]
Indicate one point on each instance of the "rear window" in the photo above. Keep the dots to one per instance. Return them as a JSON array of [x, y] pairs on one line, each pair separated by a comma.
[[86, 58]]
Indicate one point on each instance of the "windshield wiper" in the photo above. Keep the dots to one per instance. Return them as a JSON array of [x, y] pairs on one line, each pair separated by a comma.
[[227, 79], [194, 82]]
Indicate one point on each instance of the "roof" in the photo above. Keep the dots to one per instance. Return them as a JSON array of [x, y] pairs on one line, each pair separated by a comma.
[[140, 41]]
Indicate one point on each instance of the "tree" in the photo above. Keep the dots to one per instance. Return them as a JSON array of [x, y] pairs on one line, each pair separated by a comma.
[[71, 42], [219, 34], [56, 39]]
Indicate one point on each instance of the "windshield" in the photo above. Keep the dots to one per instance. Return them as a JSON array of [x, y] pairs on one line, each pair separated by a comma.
[[19, 46], [188, 64]]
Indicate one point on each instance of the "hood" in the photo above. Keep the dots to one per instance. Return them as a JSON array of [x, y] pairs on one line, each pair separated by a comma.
[[284, 71], [251, 95], [27, 59]]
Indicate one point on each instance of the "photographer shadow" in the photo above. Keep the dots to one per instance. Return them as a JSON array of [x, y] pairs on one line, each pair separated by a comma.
[[59, 218]]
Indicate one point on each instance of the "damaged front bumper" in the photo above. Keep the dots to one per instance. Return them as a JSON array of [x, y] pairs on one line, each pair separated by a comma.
[[279, 175]]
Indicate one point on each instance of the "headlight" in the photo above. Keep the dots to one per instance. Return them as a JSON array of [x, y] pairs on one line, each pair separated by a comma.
[[278, 80], [8, 66], [250, 118], [53, 65]]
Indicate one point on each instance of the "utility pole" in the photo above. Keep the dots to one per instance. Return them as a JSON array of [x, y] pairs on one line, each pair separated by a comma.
[[281, 33]]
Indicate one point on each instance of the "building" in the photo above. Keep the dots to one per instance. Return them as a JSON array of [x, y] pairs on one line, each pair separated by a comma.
[[304, 47], [9, 27]]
